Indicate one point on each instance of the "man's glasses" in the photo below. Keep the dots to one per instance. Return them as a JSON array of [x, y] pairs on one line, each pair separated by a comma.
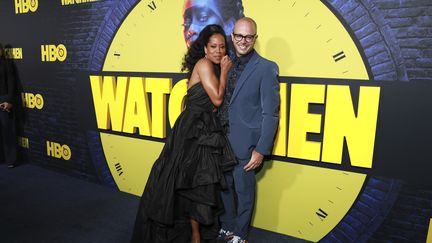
[[248, 38]]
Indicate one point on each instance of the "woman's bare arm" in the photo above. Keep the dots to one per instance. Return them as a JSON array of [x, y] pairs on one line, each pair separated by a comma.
[[214, 87]]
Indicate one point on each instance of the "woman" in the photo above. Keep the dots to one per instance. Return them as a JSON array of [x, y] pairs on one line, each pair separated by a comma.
[[181, 200]]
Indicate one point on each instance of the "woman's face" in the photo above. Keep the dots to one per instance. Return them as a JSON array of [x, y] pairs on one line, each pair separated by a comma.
[[197, 15], [215, 48]]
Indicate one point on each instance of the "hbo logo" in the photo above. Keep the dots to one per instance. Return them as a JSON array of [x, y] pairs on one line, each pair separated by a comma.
[[24, 6], [32, 100], [52, 53], [58, 151]]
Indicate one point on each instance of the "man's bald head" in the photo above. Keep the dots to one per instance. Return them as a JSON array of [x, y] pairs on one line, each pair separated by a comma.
[[246, 20]]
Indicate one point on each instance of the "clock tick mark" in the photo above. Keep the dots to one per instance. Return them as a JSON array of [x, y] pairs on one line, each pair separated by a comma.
[[293, 4], [318, 27], [329, 40], [331, 201], [340, 189], [307, 14], [311, 223], [345, 71]]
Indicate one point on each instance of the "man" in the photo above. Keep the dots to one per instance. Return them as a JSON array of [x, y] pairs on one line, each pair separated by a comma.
[[250, 114], [197, 14]]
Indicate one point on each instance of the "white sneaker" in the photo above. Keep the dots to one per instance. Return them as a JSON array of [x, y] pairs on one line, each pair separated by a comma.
[[223, 234], [236, 239]]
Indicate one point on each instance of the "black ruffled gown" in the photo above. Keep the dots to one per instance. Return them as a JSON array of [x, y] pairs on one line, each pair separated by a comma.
[[186, 180]]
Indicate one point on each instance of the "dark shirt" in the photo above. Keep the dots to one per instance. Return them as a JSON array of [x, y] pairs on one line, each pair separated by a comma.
[[239, 64]]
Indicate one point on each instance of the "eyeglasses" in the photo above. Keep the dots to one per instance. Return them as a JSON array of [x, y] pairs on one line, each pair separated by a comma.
[[248, 38]]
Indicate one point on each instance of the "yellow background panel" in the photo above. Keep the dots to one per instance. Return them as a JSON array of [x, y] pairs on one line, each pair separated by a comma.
[[289, 195]]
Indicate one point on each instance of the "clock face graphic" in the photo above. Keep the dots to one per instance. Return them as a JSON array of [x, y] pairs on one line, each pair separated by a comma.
[[305, 39]]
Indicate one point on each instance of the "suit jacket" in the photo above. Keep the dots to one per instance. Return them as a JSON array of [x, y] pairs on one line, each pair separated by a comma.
[[254, 108]]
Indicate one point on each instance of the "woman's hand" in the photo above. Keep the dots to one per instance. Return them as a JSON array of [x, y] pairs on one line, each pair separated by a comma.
[[225, 64]]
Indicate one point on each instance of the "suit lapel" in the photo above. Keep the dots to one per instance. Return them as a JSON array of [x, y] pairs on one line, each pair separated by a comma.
[[250, 67]]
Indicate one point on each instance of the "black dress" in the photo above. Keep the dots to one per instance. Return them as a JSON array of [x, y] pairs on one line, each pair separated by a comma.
[[186, 180]]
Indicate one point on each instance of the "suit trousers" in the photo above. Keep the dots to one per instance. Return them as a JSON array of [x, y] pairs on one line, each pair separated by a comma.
[[239, 200], [8, 139]]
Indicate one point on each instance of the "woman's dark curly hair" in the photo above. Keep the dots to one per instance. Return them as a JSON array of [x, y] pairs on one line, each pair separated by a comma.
[[196, 51]]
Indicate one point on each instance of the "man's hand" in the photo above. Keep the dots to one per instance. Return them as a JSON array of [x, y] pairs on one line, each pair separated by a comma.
[[254, 162]]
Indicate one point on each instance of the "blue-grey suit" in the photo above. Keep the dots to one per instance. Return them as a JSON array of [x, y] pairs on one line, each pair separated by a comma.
[[253, 121]]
